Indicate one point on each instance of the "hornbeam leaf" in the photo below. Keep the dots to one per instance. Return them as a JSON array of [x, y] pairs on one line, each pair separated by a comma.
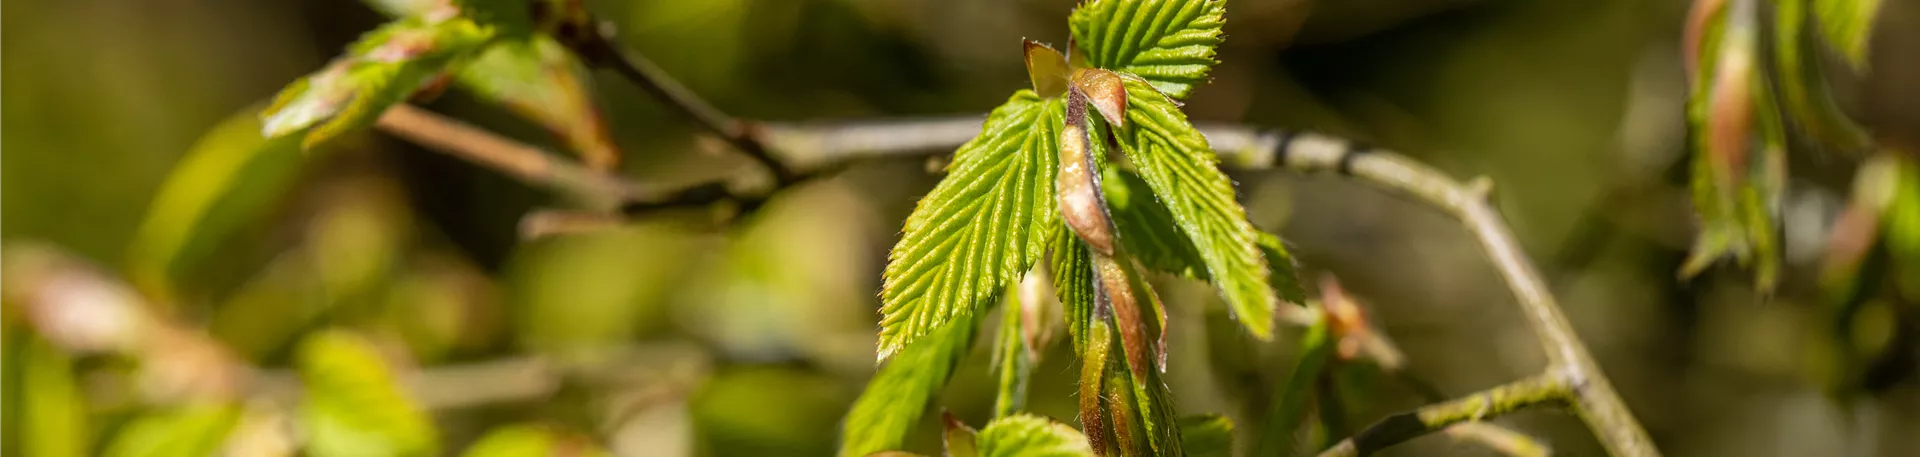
[[1848, 26], [383, 68], [898, 394], [1176, 162], [1207, 435], [1031, 436], [1169, 42], [980, 228]]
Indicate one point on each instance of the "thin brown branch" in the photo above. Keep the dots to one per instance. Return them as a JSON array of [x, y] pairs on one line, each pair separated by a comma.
[[601, 48], [1589, 391], [531, 165]]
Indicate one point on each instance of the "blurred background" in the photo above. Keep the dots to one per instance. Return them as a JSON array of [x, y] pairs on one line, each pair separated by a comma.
[[678, 337]]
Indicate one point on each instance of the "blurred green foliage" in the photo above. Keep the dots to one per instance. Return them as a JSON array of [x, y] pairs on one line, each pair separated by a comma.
[[118, 113]]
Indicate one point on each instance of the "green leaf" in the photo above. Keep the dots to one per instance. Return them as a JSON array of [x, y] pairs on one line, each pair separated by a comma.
[[1031, 436], [1209, 435], [1169, 42], [541, 80], [383, 68], [52, 420], [898, 394], [533, 74], [1902, 231], [1011, 360], [1151, 401], [1148, 231], [529, 440], [1804, 89], [1290, 408], [353, 404], [959, 439], [226, 181], [186, 430], [1848, 26], [981, 227], [511, 17], [1181, 169], [1073, 283], [1736, 184]]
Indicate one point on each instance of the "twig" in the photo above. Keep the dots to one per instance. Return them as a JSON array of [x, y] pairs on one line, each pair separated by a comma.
[[1398, 428], [601, 48], [1501, 439], [1590, 393], [519, 160]]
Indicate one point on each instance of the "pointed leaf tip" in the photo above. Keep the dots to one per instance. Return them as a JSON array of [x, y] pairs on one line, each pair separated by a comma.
[[1047, 68], [1106, 92]]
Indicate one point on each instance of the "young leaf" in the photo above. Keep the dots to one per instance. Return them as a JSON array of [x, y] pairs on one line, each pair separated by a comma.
[[1096, 351], [353, 404], [383, 68], [225, 181], [1168, 42], [1031, 436], [1902, 230], [1072, 266], [1012, 359], [1176, 162], [1147, 229], [1803, 88], [528, 440], [981, 227], [959, 439], [1290, 408], [1209, 435], [1150, 400], [186, 430], [543, 81], [1848, 26], [1047, 69], [898, 394], [533, 74], [52, 411]]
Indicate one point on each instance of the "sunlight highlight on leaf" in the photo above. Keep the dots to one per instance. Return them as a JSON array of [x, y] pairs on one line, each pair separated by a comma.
[[1181, 169], [352, 403], [979, 229], [1031, 436], [1169, 42]]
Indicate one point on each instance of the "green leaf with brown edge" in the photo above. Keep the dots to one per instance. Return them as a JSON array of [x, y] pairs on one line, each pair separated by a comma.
[[532, 74], [230, 178], [1736, 192], [897, 396], [541, 80], [1152, 401], [1169, 42], [1031, 436], [530, 440], [981, 227], [1046, 68], [176, 431], [1207, 435], [1181, 169], [381, 69], [353, 404], [1848, 26], [1802, 86], [1290, 406], [959, 439]]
